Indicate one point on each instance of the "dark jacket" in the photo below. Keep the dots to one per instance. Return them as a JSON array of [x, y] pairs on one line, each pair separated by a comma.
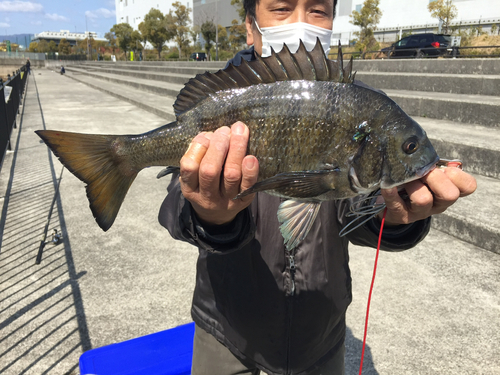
[[286, 314]]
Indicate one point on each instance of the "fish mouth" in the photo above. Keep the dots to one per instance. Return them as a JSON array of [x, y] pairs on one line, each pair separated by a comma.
[[429, 167], [421, 172]]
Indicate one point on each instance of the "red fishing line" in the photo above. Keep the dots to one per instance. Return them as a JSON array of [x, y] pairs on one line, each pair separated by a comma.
[[371, 290]]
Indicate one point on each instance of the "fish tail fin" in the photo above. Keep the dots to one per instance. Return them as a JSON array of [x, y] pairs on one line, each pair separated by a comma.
[[99, 161]]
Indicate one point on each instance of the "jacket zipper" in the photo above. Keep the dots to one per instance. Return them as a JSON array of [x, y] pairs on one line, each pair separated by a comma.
[[292, 269]]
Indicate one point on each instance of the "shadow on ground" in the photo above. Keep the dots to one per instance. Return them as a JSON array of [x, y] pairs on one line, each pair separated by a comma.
[[353, 348], [43, 327]]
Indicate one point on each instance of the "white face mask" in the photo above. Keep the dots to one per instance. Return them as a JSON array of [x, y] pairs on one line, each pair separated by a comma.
[[290, 34]]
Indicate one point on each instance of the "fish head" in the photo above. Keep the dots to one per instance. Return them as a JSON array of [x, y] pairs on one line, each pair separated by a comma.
[[407, 151], [392, 149]]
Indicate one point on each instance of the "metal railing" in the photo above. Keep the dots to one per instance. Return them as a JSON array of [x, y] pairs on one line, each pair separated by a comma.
[[22, 55], [11, 92], [419, 53]]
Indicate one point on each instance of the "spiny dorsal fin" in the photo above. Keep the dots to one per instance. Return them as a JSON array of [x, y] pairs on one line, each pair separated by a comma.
[[281, 66]]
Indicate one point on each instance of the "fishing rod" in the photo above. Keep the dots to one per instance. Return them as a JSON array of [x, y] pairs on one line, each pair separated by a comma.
[[56, 236]]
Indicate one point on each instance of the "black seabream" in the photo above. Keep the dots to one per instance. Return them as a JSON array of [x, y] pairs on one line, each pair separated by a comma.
[[317, 136]]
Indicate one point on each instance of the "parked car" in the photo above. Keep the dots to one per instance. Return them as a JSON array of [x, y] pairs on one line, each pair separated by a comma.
[[198, 56], [422, 45]]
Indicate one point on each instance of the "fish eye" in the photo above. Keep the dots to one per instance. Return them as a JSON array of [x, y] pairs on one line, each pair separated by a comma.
[[410, 145]]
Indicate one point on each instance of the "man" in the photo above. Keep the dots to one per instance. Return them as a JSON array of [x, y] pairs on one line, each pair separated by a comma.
[[257, 305]]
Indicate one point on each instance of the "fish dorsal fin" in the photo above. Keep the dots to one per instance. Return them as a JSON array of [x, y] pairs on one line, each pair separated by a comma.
[[281, 66]]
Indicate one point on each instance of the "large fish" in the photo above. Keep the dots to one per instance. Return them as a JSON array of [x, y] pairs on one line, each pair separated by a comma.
[[317, 137]]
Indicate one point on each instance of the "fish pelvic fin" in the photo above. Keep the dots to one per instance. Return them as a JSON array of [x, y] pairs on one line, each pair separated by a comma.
[[296, 219], [97, 160], [282, 66], [305, 184]]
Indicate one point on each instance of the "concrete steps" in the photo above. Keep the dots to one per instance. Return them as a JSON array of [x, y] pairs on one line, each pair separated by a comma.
[[468, 84], [456, 101], [471, 109], [441, 66], [156, 87], [160, 105], [190, 71]]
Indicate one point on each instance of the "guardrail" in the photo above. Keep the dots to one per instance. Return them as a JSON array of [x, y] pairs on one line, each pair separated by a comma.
[[420, 53], [11, 92], [22, 55]]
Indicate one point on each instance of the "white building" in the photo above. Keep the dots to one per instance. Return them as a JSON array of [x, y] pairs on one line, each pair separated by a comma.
[[399, 16], [133, 11], [71, 37]]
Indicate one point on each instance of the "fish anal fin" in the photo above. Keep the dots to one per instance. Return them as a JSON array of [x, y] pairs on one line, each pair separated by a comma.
[[306, 184], [296, 219]]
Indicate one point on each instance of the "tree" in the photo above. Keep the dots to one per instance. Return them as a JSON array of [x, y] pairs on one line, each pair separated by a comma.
[[154, 29], [181, 21], [136, 41], [43, 46], [208, 33], [223, 40], [193, 32], [33, 47], [123, 34], [237, 35], [52, 46], [238, 4], [443, 10], [110, 36], [64, 47], [367, 19]]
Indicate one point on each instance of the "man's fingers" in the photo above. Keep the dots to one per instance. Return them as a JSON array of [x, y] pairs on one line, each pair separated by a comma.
[[212, 163], [463, 181], [444, 190], [250, 174], [420, 198], [237, 151], [396, 206], [190, 162]]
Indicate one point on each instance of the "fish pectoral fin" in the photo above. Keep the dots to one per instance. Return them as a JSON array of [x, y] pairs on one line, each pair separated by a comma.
[[296, 219], [305, 184], [168, 171]]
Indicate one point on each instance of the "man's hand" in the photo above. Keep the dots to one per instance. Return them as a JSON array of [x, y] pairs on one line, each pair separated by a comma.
[[430, 195], [214, 170]]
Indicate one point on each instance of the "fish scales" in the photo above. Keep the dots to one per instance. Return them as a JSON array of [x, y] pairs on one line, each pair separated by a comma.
[[290, 123]]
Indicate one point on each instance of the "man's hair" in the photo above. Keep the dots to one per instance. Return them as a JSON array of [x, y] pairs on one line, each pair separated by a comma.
[[249, 6]]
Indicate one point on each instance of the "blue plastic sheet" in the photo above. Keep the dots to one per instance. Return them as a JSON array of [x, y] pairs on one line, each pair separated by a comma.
[[168, 352]]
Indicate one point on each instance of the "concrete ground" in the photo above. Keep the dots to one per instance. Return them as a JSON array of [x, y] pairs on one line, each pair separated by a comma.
[[435, 309]]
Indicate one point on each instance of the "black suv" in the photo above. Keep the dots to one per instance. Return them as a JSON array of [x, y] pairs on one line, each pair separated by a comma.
[[422, 45], [198, 56]]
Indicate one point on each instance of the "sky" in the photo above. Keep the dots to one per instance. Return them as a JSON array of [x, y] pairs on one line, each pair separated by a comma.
[[33, 17]]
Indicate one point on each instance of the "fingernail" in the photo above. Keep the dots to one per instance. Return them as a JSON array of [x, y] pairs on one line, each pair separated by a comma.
[[238, 128], [250, 163], [224, 130]]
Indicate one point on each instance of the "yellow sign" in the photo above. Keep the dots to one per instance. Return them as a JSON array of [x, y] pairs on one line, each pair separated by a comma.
[[22, 73], [131, 55]]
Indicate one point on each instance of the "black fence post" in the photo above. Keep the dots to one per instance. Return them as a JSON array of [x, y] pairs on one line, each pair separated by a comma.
[[4, 127]]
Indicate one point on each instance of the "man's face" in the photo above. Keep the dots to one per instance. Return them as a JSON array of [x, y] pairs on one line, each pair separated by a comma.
[[279, 12]]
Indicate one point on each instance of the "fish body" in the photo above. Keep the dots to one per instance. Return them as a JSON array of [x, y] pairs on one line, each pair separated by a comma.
[[316, 138]]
